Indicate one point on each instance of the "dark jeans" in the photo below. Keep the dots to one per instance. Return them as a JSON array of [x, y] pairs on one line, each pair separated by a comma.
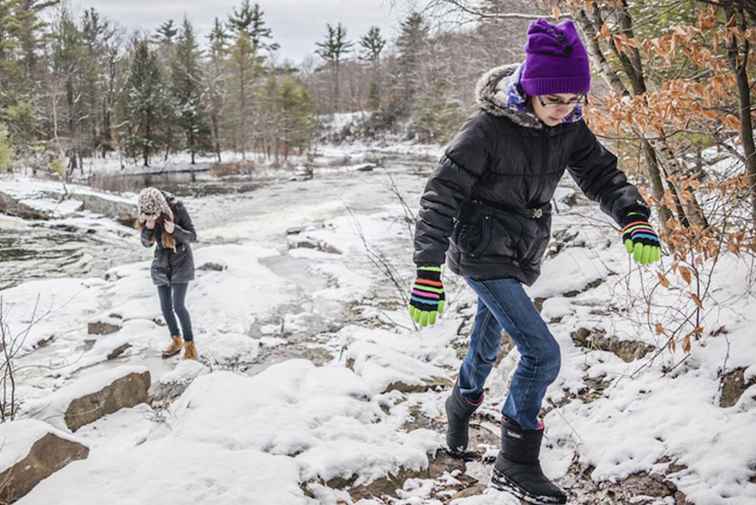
[[503, 304], [170, 303]]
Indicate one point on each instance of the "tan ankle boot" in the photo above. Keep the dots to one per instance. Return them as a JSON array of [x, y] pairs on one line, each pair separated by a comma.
[[190, 351], [174, 347]]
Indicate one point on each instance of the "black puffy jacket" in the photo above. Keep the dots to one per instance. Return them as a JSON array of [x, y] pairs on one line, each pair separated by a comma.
[[482, 202], [169, 267]]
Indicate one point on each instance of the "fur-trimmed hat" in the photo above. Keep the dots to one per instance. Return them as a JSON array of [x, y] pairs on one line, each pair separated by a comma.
[[152, 202]]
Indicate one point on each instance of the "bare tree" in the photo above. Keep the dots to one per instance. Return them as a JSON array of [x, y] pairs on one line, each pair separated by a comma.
[[11, 349]]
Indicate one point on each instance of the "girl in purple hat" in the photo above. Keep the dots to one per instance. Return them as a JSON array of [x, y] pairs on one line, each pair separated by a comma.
[[485, 211]]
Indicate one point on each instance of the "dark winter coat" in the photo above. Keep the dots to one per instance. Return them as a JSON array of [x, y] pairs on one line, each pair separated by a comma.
[[169, 267], [482, 202]]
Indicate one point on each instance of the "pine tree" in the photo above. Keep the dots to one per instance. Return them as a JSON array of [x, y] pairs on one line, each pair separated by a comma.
[[187, 90], [146, 104], [68, 63], [166, 32], [372, 44], [246, 61], [215, 82], [250, 19], [96, 33], [411, 45], [165, 39], [298, 111], [333, 50]]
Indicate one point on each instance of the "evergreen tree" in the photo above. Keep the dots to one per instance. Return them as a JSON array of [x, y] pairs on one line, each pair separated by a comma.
[[146, 104], [243, 69], [333, 50], [215, 82], [166, 32], [165, 38], [250, 19], [372, 45], [95, 35], [411, 44], [187, 90], [298, 111], [246, 62], [68, 63]]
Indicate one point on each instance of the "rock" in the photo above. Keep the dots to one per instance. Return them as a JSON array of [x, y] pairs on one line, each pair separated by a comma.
[[118, 351], [431, 384], [210, 265], [103, 327], [596, 339], [93, 396], [126, 391], [174, 383], [113, 207], [591, 285], [13, 207], [32, 451], [733, 386], [439, 464], [474, 490], [311, 243]]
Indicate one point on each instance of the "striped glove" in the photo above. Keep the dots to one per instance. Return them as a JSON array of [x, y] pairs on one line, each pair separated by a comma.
[[640, 239], [427, 297]]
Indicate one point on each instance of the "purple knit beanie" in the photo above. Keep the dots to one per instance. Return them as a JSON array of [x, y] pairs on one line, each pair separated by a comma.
[[555, 60]]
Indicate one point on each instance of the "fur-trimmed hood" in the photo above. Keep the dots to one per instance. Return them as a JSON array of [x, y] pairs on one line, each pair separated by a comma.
[[498, 92]]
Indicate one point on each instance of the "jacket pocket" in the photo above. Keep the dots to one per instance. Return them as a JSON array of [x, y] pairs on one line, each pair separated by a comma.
[[537, 240], [472, 232]]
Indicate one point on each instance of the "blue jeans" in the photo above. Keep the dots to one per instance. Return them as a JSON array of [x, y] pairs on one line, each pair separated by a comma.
[[503, 304], [170, 303]]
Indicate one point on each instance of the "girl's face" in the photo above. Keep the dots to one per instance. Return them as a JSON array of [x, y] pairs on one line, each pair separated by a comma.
[[552, 109]]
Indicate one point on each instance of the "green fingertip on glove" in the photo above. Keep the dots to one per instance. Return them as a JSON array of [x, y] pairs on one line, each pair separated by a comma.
[[640, 239], [643, 254], [427, 300]]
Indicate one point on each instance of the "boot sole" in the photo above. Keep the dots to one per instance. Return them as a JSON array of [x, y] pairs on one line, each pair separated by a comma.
[[502, 483], [167, 355]]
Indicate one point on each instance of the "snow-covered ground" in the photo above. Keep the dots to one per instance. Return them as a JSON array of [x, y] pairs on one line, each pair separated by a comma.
[[303, 348]]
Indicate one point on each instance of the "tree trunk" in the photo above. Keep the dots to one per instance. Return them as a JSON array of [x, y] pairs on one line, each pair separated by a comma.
[[739, 65], [146, 147]]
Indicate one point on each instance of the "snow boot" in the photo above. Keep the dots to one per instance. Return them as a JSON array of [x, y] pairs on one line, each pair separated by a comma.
[[517, 469], [458, 413], [190, 351], [174, 347]]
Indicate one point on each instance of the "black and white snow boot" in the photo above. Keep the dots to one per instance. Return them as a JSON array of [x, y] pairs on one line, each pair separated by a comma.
[[517, 469], [458, 413]]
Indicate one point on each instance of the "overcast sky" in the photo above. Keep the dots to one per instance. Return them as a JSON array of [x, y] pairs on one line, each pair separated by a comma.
[[296, 24]]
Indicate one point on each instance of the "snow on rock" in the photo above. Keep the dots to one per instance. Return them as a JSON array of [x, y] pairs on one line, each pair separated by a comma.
[[32, 451], [46, 198], [323, 417], [672, 418], [172, 384], [225, 348], [185, 473], [571, 271], [384, 368], [48, 308], [93, 396]]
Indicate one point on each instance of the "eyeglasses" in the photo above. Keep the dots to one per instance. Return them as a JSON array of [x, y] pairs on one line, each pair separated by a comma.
[[553, 102]]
